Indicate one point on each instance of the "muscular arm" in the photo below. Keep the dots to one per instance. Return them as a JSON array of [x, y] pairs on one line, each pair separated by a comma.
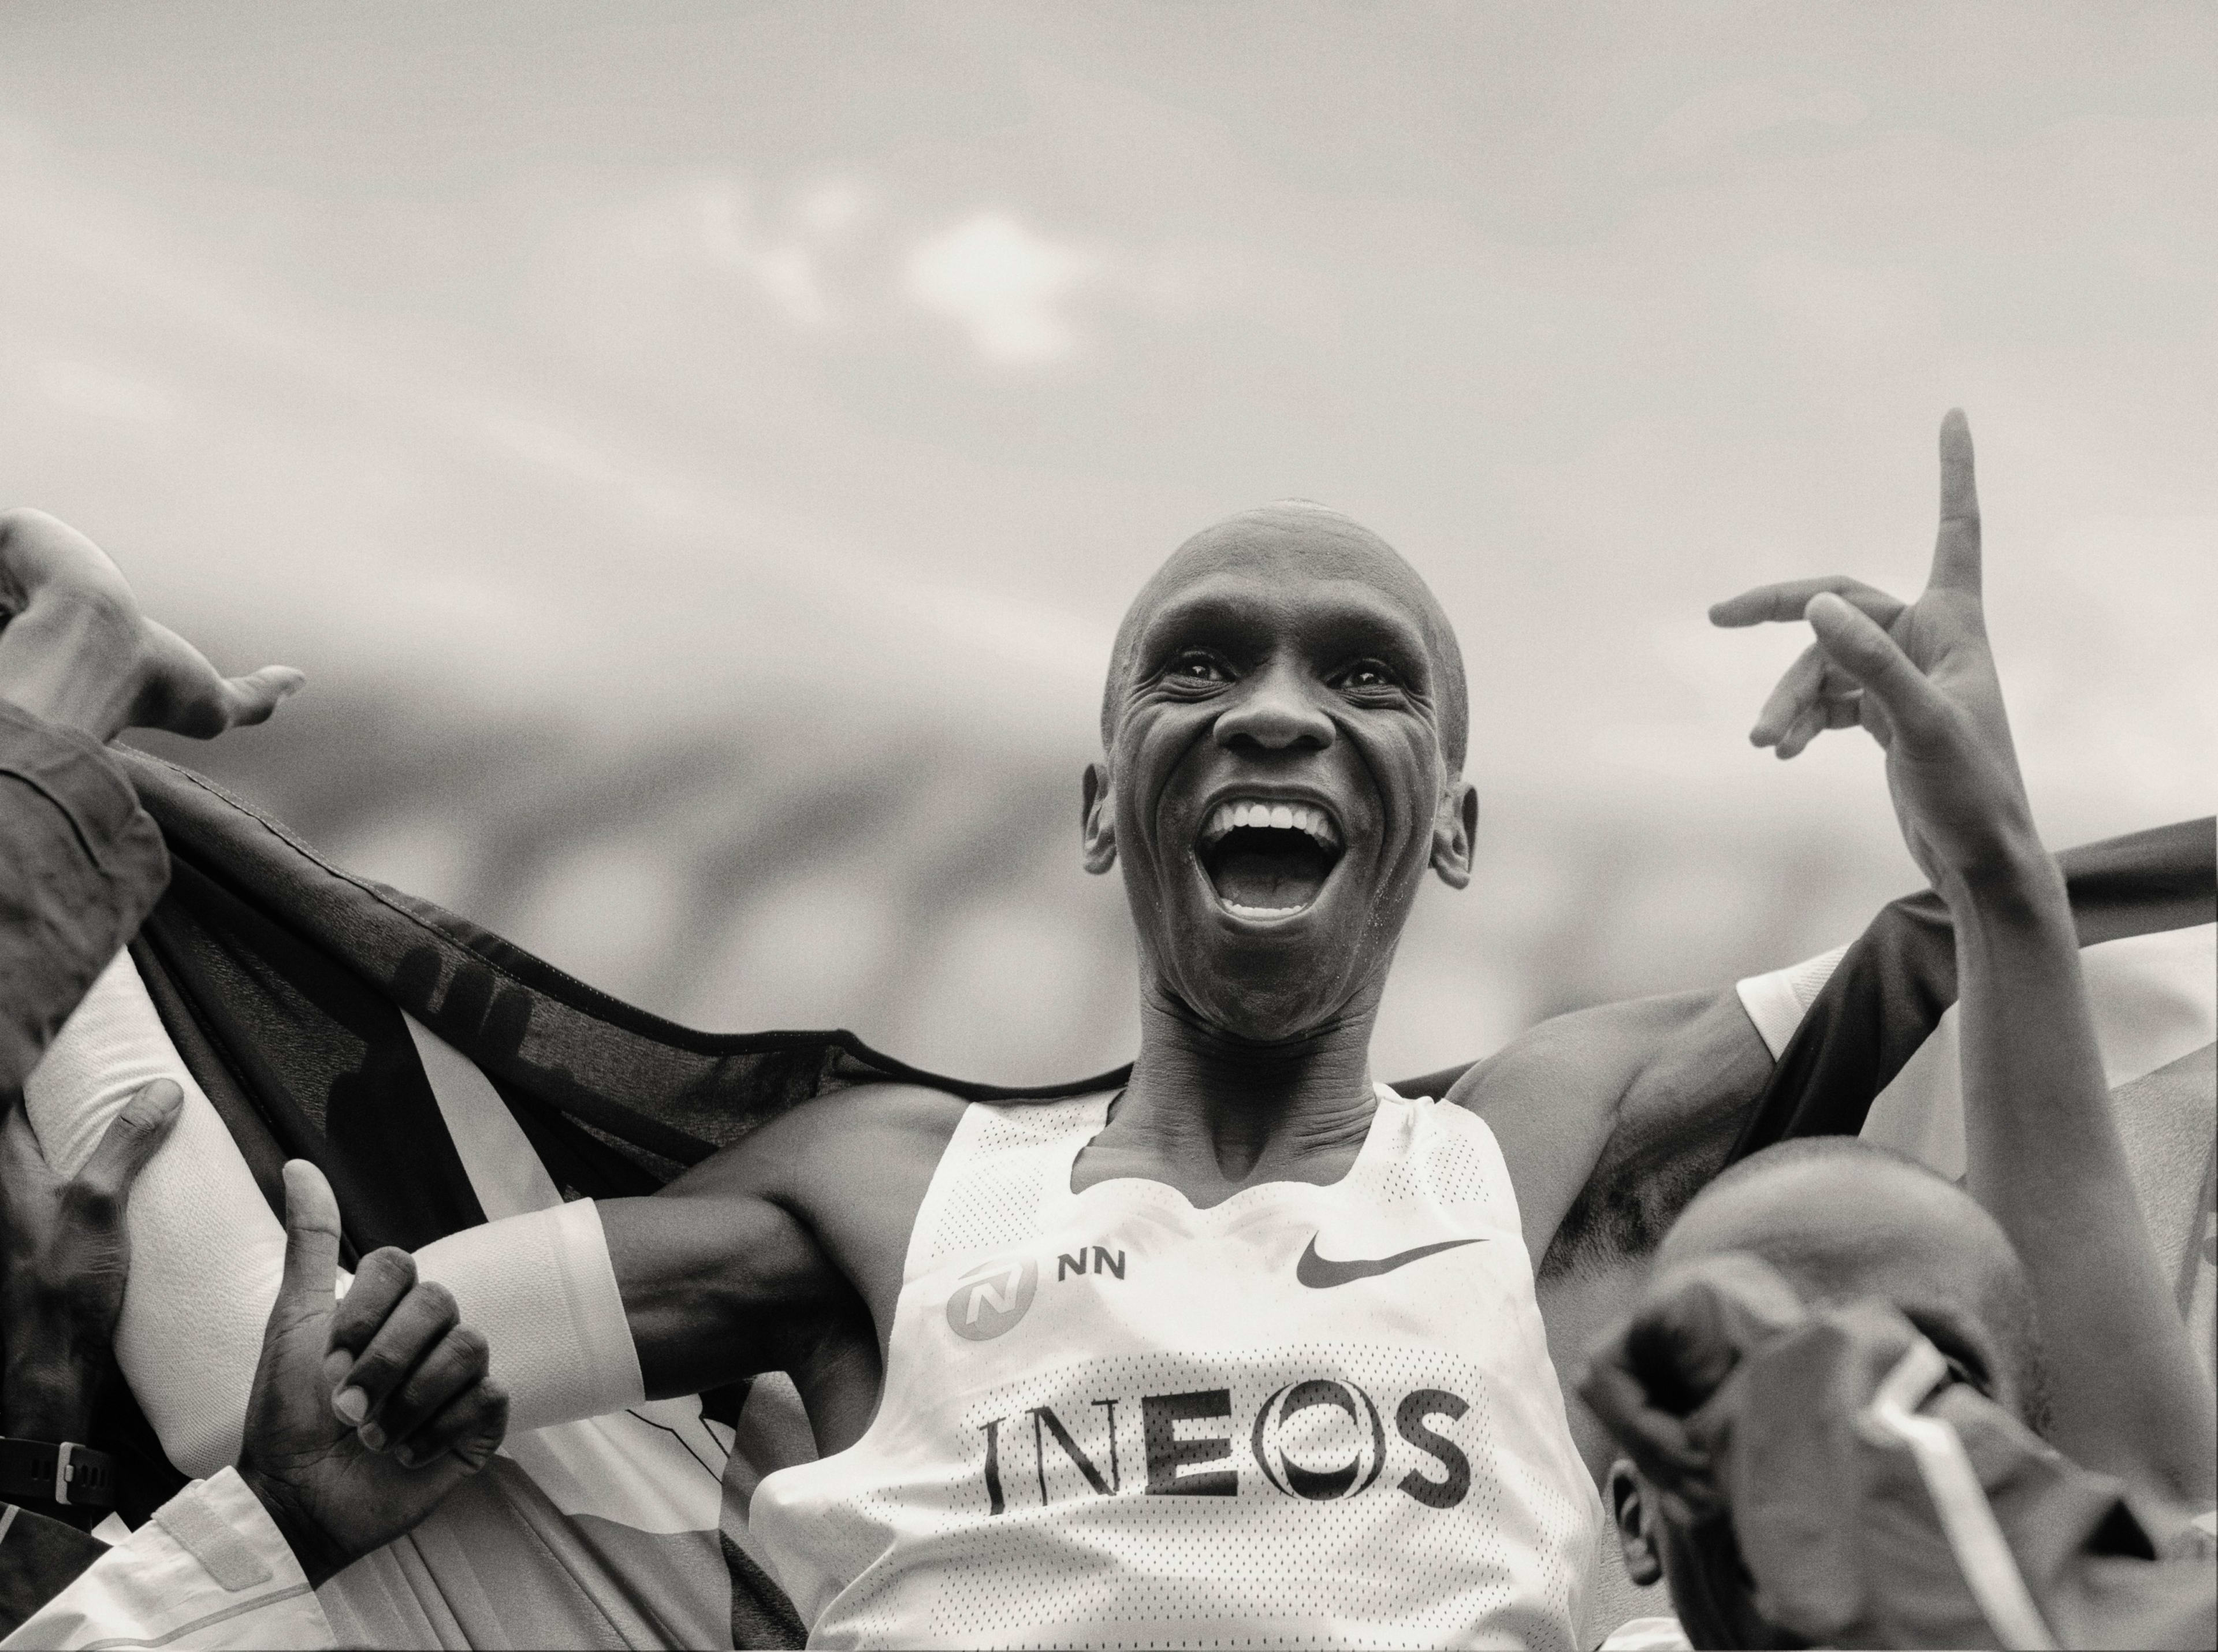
[[2043, 1154], [1612, 1118], [785, 1252]]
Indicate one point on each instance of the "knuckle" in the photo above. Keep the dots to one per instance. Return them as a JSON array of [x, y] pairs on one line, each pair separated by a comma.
[[375, 1372], [136, 1120], [388, 1264], [471, 1349]]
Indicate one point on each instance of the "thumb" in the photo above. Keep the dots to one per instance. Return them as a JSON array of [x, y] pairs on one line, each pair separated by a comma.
[[133, 1137], [311, 1242], [1917, 709], [250, 699]]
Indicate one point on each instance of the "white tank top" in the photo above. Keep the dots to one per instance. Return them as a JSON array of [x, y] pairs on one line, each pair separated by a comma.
[[1306, 1417]]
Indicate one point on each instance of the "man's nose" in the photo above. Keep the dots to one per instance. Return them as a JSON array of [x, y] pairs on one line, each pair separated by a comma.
[[1276, 715]]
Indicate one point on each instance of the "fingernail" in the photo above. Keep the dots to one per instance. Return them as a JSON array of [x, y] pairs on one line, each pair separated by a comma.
[[373, 1437], [405, 1455], [351, 1404]]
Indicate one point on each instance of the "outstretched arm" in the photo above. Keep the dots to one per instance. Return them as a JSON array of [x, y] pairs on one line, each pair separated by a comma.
[[81, 653], [2043, 1151], [80, 862]]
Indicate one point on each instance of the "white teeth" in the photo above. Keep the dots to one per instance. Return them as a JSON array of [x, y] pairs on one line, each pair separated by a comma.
[[1239, 911], [1285, 817]]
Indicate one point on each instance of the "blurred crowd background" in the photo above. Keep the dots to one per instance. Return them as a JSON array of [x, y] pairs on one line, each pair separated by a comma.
[[699, 453]]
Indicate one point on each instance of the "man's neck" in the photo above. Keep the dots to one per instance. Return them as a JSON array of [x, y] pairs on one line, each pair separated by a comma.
[[1211, 1114]]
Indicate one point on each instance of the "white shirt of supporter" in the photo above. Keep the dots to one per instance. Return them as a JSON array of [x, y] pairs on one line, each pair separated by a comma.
[[1648, 1635], [1307, 1416], [209, 1570]]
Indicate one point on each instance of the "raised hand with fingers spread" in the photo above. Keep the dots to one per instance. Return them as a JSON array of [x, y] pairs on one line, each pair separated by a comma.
[[77, 650], [2042, 1151], [364, 1413], [1919, 675]]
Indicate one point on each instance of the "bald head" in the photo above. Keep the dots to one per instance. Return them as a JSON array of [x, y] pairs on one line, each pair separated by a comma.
[[1294, 536], [1843, 1218]]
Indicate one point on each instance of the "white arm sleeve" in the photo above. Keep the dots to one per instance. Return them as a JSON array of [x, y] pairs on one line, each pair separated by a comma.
[[207, 1253], [1777, 1002], [542, 1290]]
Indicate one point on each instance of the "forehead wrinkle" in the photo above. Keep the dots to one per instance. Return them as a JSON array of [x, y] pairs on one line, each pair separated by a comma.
[[1215, 599]]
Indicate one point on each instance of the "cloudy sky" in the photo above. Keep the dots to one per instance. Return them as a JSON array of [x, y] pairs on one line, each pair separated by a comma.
[[657, 366]]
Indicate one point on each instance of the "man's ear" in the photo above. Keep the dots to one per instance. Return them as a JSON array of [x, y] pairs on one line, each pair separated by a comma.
[[1455, 827], [1098, 819], [1636, 1525]]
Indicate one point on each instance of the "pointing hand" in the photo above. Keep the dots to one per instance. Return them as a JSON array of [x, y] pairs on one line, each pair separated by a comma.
[[1920, 677]]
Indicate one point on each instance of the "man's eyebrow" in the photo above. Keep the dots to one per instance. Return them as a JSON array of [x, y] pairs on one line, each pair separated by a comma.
[[1378, 620], [1189, 612]]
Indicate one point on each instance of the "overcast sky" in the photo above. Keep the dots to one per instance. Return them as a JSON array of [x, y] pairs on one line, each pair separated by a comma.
[[659, 362]]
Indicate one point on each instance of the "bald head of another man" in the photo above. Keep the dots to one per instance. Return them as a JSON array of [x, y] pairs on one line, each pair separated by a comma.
[[1843, 1221]]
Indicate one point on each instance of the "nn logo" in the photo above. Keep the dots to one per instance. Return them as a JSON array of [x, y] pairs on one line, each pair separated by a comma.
[[992, 1297], [1105, 1262]]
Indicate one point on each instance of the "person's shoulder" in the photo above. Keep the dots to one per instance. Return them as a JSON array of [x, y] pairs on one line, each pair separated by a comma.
[[1556, 1097], [1595, 1055], [1580, 1051], [841, 1126]]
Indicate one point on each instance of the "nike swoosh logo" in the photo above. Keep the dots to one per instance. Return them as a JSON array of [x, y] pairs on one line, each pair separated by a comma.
[[1321, 1273]]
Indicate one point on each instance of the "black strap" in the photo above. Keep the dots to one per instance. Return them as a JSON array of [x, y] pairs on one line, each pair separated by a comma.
[[41, 1471]]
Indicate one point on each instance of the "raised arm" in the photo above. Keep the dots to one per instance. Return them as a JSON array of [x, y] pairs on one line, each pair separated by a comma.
[[1612, 1118], [2043, 1151]]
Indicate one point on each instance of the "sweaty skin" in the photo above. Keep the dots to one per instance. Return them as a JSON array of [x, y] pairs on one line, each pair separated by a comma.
[[1286, 658]]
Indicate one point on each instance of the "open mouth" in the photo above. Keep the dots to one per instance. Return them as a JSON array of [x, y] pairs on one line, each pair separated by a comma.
[[1266, 859]]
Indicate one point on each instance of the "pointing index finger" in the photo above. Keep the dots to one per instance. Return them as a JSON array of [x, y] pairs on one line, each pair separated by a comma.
[[1957, 548]]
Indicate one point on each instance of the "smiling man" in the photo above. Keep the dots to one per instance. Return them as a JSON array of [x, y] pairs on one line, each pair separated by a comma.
[[1251, 1350]]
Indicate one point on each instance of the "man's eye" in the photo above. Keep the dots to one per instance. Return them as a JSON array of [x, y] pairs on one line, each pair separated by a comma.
[[1369, 674], [1196, 668]]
